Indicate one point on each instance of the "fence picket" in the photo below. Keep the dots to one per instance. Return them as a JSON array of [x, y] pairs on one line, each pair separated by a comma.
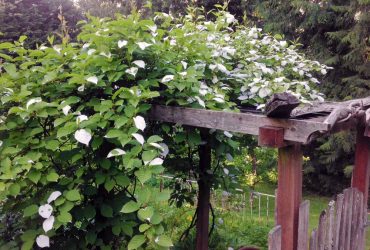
[[338, 217], [275, 238], [322, 231], [313, 240], [331, 226], [304, 211]]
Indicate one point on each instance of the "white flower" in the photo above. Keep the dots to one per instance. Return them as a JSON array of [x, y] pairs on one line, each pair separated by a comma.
[[219, 100], [143, 45], [139, 63], [83, 136], [283, 43], [228, 134], [43, 241], [323, 71], [139, 138], [66, 109], [173, 42], [156, 161], [165, 149], [33, 101], [229, 157], [226, 171], [122, 43], [81, 118], [91, 51], [81, 88], [47, 225], [200, 101], [156, 145], [1, 143], [45, 211], [86, 45], [220, 221], [139, 122], [229, 18], [92, 79], [152, 28], [167, 78], [132, 71], [116, 152], [53, 196], [184, 64]]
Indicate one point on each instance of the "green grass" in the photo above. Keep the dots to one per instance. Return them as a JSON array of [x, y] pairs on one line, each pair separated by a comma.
[[238, 226]]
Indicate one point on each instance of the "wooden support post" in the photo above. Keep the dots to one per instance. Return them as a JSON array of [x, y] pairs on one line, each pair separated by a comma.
[[203, 194], [361, 171], [289, 194]]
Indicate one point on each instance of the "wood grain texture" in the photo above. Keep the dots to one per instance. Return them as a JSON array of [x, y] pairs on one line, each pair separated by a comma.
[[271, 137], [303, 222], [322, 230], [338, 219], [246, 123], [331, 225], [289, 194], [274, 239], [313, 240]]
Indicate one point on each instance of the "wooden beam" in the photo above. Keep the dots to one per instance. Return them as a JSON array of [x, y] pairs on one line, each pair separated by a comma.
[[204, 192], [246, 123], [289, 194], [271, 137], [361, 170]]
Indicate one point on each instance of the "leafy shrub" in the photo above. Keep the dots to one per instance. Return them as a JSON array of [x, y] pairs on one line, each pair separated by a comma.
[[77, 153]]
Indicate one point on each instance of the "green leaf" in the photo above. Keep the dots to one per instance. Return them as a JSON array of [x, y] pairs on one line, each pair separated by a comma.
[[143, 195], [114, 133], [34, 176], [122, 180], [64, 217], [143, 175], [145, 214], [52, 177], [14, 189], [106, 211], [52, 145], [73, 195], [130, 207], [90, 237], [136, 242], [30, 210], [116, 230], [109, 184], [154, 138], [143, 227], [164, 241]]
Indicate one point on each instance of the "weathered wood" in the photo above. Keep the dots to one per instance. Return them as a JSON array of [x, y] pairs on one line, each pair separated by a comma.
[[271, 137], [338, 217], [361, 170], [325, 108], [281, 105], [203, 194], [355, 219], [303, 222], [274, 240], [247, 123], [331, 225], [289, 194], [313, 240], [322, 231]]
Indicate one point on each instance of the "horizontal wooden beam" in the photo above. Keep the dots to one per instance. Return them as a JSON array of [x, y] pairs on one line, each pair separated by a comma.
[[247, 123]]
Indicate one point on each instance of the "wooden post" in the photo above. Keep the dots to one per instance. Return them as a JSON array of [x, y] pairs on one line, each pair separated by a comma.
[[203, 194], [289, 194], [360, 175]]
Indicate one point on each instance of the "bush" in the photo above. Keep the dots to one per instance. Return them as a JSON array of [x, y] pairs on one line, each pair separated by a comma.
[[76, 151]]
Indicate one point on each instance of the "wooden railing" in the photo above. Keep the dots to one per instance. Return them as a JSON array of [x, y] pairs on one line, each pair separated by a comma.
[[341, 226]]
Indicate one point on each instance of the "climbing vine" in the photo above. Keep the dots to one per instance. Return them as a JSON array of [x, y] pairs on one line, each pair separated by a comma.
[[77, 149]]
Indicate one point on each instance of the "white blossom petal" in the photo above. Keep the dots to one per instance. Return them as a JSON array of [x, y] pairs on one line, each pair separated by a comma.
[[156, 161], [165, 149], [228, 134], [167, 78], [116, 152], [91, 51], [83, 136], [132, 71], [47, 225], [1, 143], [157, 145], [139, 138], [226, 171], [139, 122], [81, 88], [184, 64], [139, 63], [33, 101], [81, 118], [45, 211], [43, 241], [66, 109], [54, 195], [143, 45], [92, 79], [122, 43]]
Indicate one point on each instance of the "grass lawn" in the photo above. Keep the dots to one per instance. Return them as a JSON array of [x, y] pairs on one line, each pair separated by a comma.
[[236, 225]]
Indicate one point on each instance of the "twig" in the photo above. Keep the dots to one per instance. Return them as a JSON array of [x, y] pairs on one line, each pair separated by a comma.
[[213, 220]]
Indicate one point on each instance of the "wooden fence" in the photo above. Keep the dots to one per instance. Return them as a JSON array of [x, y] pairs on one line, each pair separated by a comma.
[[341, 226]]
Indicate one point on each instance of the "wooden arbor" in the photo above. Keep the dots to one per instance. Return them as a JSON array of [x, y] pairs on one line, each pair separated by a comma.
[[303, 125]]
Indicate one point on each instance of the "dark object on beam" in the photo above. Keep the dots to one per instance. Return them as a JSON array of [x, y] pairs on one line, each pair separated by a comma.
[[281, 105]]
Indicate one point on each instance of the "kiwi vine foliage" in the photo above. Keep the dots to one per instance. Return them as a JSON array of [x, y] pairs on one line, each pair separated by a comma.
[[77, 151]]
